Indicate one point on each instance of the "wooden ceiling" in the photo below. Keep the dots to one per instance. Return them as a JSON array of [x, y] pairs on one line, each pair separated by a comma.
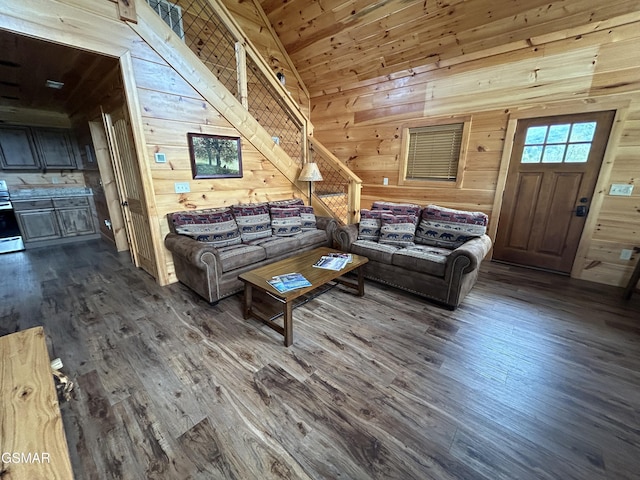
[[26, 64], [334, 43]]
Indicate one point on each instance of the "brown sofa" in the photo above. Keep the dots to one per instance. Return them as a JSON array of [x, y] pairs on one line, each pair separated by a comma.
[[434, 254], [212, 247]]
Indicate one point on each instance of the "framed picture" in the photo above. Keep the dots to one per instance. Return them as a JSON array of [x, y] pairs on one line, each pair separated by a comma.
[[215, 156]]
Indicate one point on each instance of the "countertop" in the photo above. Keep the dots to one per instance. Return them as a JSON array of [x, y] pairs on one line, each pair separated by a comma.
[[43, 193]]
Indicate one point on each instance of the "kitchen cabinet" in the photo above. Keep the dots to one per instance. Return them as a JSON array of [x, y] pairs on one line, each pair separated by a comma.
[[56, 149], [17, 149], [49, 221], [37, 220], [35, 148], [75, 216]]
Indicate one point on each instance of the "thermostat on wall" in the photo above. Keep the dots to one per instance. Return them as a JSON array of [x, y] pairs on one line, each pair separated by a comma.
[[161, 158]]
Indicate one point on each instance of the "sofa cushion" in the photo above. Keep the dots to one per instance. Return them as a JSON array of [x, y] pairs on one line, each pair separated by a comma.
[[238, 256], [370, 222], [422, 258], [253, 220], [215, 226], [312, 237], [378, 252], [308, 218], [449, 228], [275, 246], [285, 221], [398, 208], [397, 229]]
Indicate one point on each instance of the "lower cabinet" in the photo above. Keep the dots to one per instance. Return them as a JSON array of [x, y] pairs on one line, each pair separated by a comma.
[[50, 221], [75, 216], [38, 224]]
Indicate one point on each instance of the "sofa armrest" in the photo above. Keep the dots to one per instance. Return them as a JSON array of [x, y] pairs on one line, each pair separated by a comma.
[[468, 256], [192, 251], [345, 235], [328, 224]]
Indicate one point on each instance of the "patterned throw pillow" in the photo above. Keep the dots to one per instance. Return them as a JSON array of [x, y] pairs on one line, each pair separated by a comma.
[[286, 222], [449, 228], [253, 220], [397, 229], [369, 226], [200, 217], [398, 208], [308, 218], [214, 226]]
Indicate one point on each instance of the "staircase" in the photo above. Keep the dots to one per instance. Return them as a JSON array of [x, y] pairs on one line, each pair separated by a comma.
[[227, 70]]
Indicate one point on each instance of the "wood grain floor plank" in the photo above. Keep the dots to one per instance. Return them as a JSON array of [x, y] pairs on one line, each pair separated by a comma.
[[534, 376]]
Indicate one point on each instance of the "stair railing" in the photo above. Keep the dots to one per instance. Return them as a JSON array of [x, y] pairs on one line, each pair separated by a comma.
[[213, 35], [340, 188]]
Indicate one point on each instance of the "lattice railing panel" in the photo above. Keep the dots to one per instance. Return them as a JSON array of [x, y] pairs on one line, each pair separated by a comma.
[[205, 33], [270, 111], [334, 188]]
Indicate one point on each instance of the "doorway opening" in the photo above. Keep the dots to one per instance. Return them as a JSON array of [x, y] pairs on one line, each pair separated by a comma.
[[87, 84]]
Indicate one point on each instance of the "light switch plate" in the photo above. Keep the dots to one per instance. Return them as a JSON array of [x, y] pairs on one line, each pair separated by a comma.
[[3, 185], [182, 187], [625, 254], [385, 181], [621, 189], [161, 157]]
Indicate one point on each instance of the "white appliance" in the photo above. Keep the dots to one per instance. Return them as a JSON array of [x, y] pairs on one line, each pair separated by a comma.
[[10, 236]]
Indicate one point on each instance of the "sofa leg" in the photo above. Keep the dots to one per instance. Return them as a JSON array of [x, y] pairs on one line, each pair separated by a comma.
[[213, 304]]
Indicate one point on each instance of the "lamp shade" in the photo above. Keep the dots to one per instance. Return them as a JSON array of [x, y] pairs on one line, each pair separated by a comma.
[[310, 173]]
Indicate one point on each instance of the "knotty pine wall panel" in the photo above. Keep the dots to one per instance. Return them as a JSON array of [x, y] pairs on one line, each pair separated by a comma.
[[618, 220], [167, 118], [598, 68]]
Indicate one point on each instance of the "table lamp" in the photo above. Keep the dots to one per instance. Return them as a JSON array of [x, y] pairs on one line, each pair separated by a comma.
[[310, 173]]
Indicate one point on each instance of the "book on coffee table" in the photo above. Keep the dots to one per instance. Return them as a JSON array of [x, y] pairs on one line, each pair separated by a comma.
[[289, 281], [331, 262]]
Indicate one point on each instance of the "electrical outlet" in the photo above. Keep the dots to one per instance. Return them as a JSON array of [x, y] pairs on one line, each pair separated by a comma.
[[182, 187], [625, 254], [621, 189], [385, 181], [160, 157]]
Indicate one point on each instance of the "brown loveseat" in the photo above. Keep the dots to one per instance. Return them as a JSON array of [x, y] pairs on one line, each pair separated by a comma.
[[212, 247], [434, 252]]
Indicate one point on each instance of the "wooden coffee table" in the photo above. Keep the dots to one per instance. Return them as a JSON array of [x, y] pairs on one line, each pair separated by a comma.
[[302, 263]]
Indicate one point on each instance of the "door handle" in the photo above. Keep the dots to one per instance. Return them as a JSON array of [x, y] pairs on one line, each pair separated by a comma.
[[582, 210]]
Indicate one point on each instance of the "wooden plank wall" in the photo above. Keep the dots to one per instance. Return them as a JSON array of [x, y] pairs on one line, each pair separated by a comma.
[[170, 109], [361, 124]]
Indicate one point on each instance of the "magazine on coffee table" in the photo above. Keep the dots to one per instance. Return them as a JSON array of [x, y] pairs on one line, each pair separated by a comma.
[[334, 261], [289, 281]]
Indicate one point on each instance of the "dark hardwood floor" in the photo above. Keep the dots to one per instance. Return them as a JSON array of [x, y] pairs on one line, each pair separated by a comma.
[[535, 376]]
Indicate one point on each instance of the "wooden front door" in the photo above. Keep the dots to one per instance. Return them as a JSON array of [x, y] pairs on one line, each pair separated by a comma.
[[129, 183], [552, 174]]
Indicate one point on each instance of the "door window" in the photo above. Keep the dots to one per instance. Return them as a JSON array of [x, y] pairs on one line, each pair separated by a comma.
[[563, 143]]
